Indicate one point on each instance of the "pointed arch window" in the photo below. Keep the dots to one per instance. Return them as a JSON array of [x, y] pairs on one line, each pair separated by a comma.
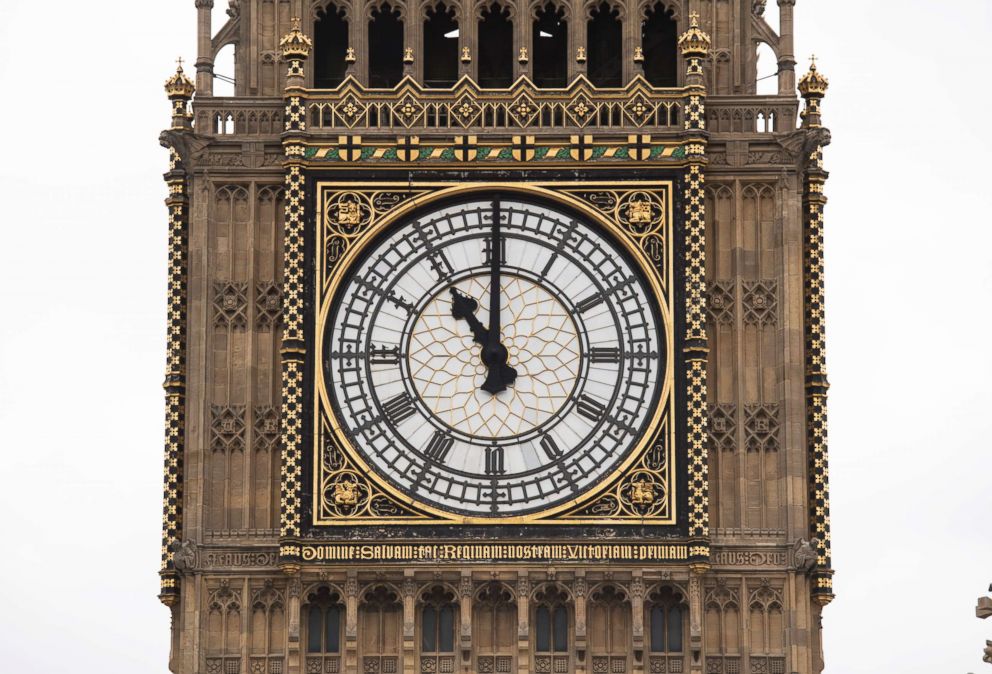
[[438, 622], [609, 629], [495, 47], [667, 618], [385, 47], [659, 39], [440, 46], [330, 37], [324, 613], [494, 628], [550, 47], [380, 629], [604, 40], [551, 631]]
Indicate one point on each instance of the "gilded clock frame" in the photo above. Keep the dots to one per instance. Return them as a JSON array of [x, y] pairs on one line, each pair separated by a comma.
[[361, 495]]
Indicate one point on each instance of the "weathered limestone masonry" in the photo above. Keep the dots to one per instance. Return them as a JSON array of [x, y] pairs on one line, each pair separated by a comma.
[[288, 546]]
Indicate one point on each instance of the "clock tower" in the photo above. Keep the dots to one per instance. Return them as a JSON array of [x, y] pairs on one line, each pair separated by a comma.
[[495, 342]]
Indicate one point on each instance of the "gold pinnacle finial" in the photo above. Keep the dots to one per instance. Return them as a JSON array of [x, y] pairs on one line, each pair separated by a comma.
[[295, 45], [813, 83], [694, 42], [179, 86]]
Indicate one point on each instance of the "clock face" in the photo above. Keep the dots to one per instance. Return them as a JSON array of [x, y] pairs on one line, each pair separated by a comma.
[[494, 357]]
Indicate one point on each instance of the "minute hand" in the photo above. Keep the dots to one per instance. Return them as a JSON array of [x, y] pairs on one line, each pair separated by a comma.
[[494, 354]]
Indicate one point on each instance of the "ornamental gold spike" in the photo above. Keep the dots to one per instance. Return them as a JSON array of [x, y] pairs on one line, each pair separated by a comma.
[[179, 86], [813, 83], [694, 42], [295, 45]]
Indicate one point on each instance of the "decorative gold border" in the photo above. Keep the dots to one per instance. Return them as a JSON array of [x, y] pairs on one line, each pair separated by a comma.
[[175, 375], [564, 193]]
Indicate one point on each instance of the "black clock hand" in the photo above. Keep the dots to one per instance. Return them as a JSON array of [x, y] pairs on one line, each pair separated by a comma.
[[463, 308], [494, 354]]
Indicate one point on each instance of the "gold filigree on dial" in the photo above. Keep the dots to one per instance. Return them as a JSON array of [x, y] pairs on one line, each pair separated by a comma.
[[447, 371]]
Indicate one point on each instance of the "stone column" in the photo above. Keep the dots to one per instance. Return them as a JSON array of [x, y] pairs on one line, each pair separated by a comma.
[[787, 50], [409, 622], [351, 622], [180, 91], [637, 617], [523, 623], [413, 41], [522, 27], [293, 651], [465, 591], [813, 87], [694, 45], [577, 48], [204, 48], [468, 39], [580, 591], [295, 48]]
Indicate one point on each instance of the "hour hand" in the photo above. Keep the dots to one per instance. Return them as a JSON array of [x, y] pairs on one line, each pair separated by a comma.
[[463, 308]]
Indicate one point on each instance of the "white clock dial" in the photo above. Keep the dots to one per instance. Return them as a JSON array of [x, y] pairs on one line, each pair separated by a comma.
[[484, 411]]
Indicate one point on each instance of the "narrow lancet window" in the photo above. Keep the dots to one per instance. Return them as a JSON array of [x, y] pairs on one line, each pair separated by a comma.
[[385, 47], [440, 47], [495, 48], [604, 39], [330, 33], [550, 47], [659, 38]]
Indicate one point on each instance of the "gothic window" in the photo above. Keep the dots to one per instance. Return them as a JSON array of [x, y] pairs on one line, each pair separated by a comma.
[[385, 47], [437, 631], [324, 612], [380, 629], [267, 633], [440, 46], [223, 645], [608, 625], [551, 630], [495, 47], [723, 625], [330, 37], [667, 621], [604, 40], [550, 47], [494, 628], [766, 620], [659, 40]]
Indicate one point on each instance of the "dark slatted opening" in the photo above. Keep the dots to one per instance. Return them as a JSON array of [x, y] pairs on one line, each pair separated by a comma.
[[495, 48], [550, 47], [440, 47], [659, 37], [330, 33], [385, 47], [604, 37]]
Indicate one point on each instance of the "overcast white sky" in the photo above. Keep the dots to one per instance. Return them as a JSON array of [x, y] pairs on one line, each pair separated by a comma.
[[82, 296]]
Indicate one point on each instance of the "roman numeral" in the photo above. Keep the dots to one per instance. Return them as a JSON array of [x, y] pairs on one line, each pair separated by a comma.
[[439, 446], [604, 354], [591, 409], [487, 250], [385, 355], [399, 408], [494, 461], [550, 448], [589, 302], [440, 264]]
